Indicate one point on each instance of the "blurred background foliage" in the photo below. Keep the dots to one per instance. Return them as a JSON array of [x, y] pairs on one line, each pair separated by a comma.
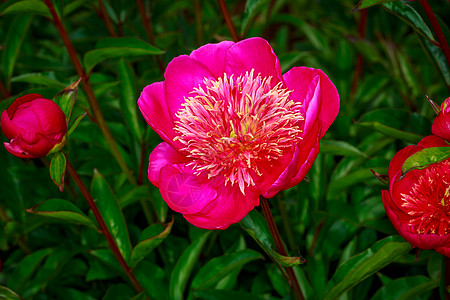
[[336, 216]]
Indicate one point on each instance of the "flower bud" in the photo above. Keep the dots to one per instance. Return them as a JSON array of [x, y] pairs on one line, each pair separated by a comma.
[[35, 126], [441, 125]]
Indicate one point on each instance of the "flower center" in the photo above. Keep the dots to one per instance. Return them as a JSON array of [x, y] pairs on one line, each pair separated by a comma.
[[428, 201], [234, 124]]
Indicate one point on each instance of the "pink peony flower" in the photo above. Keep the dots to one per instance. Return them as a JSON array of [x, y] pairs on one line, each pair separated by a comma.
[[35, 127], [418, 204], [234, 128], [441, 125]]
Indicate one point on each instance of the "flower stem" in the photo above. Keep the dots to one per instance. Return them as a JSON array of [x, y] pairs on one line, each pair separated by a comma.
[[106, 19], [90, 94], [103, 228], [437, 29], [447, 277], [3, 90], [226, 15], [280, 247]]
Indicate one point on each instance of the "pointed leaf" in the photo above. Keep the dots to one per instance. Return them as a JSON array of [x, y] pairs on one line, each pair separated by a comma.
[[25, 7], [340, 148], [219, 267], [8, 294], [288, 261], [405, 288], [58, 169], [75, 123], [210, 294], [63, 211], [424, 158], [148, 243], [128, 103], [391, 122], [38, 78], [117, 47], [368, 3], [66, 98], [251, 9], [361, 266], [111, 212], [183, 268], [14, 39], [409, 15]]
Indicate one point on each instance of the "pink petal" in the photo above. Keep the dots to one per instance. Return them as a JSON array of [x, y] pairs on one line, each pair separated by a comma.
[[164, 154], [229, 207], [299, 79], [253, 53], [184, 191], [16, 150], [212, 56], [182, 75], [153, 106]]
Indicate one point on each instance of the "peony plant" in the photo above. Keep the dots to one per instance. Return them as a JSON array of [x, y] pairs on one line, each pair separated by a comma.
[[234, 128]]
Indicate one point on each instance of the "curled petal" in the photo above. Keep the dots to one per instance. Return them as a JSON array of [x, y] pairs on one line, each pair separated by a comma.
[[182, 75], [229, 207], [212, 56], [153, 106], [323, 99], [184, 191], [256, 54], [164, 154]]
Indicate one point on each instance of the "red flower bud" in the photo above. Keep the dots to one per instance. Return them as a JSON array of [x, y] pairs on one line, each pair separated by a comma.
[[418, 202], [441, 125], [35, 127]]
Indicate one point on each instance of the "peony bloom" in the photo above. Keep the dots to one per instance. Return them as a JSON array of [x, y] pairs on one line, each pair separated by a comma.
[[35, 127], [441, 125], [418, 204], [234, 128]]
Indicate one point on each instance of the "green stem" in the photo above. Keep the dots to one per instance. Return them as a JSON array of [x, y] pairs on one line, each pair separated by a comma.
[[99, 119], [280, 247], [437, 29], [228, 21], [103, 228]]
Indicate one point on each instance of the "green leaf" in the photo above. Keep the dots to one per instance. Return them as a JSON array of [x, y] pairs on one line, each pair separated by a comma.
[[340, 148], [210, 294], [390, 122], [128, 103], [424, 158], [219, 267], [147, 243], [58, 169], [38, 78], [25, 7], [117, 47], [26, 267], [256, 227], [184, 265], [361, 266], [66, 99], [111, 212], [62, 210], [368, 3], [150, 275], [439, 59], [405, 288], [8, 294], [75, 123], [14, 39], [251, 9], [119, 291], [410, 16]]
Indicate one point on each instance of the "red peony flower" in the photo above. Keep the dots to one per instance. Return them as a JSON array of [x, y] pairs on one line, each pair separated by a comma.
[[441, 125], [35, 127], [418, 204], [234, 128]]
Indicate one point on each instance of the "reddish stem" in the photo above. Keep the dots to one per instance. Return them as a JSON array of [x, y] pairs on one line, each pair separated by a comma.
[[226, 15], [105, 17], [146, 21], [360, 59], [4, 91], [103, 228], [437, 29], [99, 119], [280, 247]]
